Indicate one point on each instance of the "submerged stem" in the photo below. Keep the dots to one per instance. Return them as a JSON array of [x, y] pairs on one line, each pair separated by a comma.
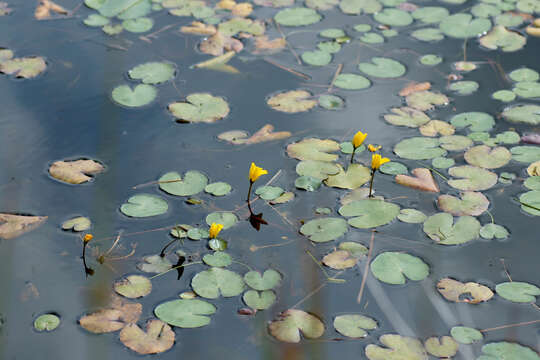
[[371, 183], [249, 196]]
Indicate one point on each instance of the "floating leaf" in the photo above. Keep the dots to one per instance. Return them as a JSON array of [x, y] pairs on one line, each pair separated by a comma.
[[274, 3], [393, 17], [393, 168], [269, 192], [324, 229], [532, 183], [267, 281], [292, 101], [437, 127], [471, 292], [200, 107], [471, 203], [317, 169], [383, 67], [419, 148], [313, 149], [214, 282], [428, 34], [355, 176], [472, 178], [426, 100], [133, 286], [444, 347], [266, 133], [217, 259], [46, 322], [218, 188], [463, 26], [369, 213], [225, 218], [241, 25], [464, 87], [443, 163], [528, 90], [259, 300], [528, 114], [413, 87], [297, 16], [79, 223], [351, 82], [354, 325], [158, 337], [441, 228], [138, 25], [466, 335], [290, 323], [357, 7], [422, 180], [141, 95], [489, 231], [397, 348], [316, 58], [193, 183], [185, 313], [332, 33], [506, 350], [339, 260], [395, 267], [508, 137], [113, 318], [500, 37], [431, 59], [530, 202], [283, 198], [330, 47], [475, 121], [153, 72], [308, 183], [144, 205], [27, 67], [355, 249], [411, 216], [406, 116], [112, 29], [154, 264], [96, 20], [489, 158], [372, 38], [524, 74], [430, 14], [362, 27], [75, 172], [525, 154], [516, 291]]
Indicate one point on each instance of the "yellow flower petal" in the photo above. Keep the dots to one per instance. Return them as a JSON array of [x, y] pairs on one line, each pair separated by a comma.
[[358, 139], [374, 148], [214, 230], [377, 161], [255, 172], [88, 237]]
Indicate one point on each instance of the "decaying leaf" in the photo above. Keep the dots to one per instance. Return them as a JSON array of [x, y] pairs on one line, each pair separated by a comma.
[[397, 348], [216, 61], [4, 8], [198, 28], [112, 319], [444, 347], [422, 180], [12, 226], [75, 172], [242, 9], [437, 127], [266, 133], [534, 169], [291, 322], [457, 291], [27, 67], [313, 149], [292, 101], [158, 337], [339, 260], [217, 44], [413, 87], [263, 44], [43, 10]]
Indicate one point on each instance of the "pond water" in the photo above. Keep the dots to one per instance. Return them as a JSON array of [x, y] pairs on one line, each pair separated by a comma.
[[67, 113]]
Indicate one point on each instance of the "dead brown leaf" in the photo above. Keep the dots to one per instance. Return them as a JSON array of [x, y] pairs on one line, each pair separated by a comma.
[[30, 292], [266, 133], [435, 127], [457, 291], [113, 318], [45, 7], [75, 172], [339, 260], [422, 180], [413, 87], [242, 9], [218, 43], [4, 8], [15, 225], [264, 45], [199, 28], [158, 337]]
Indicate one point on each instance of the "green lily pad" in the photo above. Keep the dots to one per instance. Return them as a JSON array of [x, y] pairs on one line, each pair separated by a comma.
[[389, 33], [516, 291], [138, 25], [200, 107], [357, 7], [508, 137], [525, 154], [372, 38], [501, 38], [323, 210], [490, 231], [141, 95], [267, 281], [216, 281], [441, 228], [348, 148], [259, 300], [185, 313], [284, 198], [407, 116], [269, 192], [217, 259], [124, 9], [524, 74], [463, 26], [532, 183], [298, 16], [509, 20], [442, 162], [332, 33], [506, 177], [241, 25], [218, 188], [383, 68], [133, 286], [397, 348], [355, 249], [444, 347], [475, 121], [430, 14], [362, 27], [471, 203], [419, 148], [431, 60], [290, 323], [427, 34], [393, 17], [27, 67], [79, 223], [483, 10], [193, 183], [393, 168], [455, 142], [153, 72], [369, 213], [197, 234], [331, 102], [528, 114], [308, 183], [112, 29], [292, 101], [144, 205], [46, 322], [180, 231], [466, 335], [395, 268], [426, 100], [354, 325], [506, 350], [316, 58], [217, 244], [464, 87], [355, 176], [313, 149], [96, 20], [528, 90], [411, 216], [154, 264], [488, 158], [225, 218], [317, 169], [324, 229], [330, 47], [351, 82]]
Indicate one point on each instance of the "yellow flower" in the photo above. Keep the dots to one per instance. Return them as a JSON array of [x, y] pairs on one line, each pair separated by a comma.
[[88, 237], [377, 161], [255, 172], [358, 139], [214, 230], [374, 148]]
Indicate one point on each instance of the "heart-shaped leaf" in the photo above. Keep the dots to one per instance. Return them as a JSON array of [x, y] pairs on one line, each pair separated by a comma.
[[422, 180], [307, 183], [225, 218], [466, 335], [113, 318], [354, 325], [406, 116], [426, 100], [141, 95], [133, 286], [528, 114], [259, 300], [463, 26], [266, 133], [506, 350], [269, 192], [290, 323], [472, 178], [397, 348], [383, 67], [355, 176], [268, 280], [216, 281], [349, 81], [490, 231], [411, 216], [393, 17], [369, 213], [475, 121], [218, 188], [153, 72], [158, 337], [154, 264], [27, 67], [12, 226], [185, 313], [313, 149], [339, 260], [437, 127], [200, 107], [75, 172], [506, 40], [488, 158], [471, 203], [395, 267], [455, 142], [218, 259], [79, 223], [144, 205], [525, 154], [516, 291], [292, 101], [193, 183], [441, 228], [456, 291], [444, 347]]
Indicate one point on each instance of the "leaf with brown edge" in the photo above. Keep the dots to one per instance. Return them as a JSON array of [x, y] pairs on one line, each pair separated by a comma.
[[43, 10], [339, 260], [112, 319], [75, 172], [266, 133], [198, 28], [12, 226], [290, 323], [437, 127], [264, 44], [422, 180], [472, 203], [218, 43], [456, 291], [158, 337], [413, 87]]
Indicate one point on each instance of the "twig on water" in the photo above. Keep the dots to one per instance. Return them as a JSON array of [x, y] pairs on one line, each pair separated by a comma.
[[366, 269], [338, 71], [292, 71], [510, 326]]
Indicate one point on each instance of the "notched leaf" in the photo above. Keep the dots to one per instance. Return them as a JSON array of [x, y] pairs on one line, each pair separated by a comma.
[[75, 172]]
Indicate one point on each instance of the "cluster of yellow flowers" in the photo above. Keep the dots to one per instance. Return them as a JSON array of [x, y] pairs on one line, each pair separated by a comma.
[[376, 159]]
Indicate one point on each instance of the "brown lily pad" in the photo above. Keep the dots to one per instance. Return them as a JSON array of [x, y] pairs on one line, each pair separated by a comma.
[[290, 323], [75, 172], [472, 203], [457, 291], [27, 67], [113, 318], [413, 87], [266, 133], [437, 127], [46, 7], [292, 101], [422, 180], [488, 158], [339, 260], [12, 226], [158, 337]]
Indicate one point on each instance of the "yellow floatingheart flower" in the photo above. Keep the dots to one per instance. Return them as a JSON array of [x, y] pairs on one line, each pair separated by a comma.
[[377, 161], [255, 172], [374, 148], [88, 237], [214, 230], [358, 139]]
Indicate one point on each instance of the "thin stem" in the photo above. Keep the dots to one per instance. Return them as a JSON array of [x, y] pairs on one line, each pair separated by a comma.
[[249, 196], [162, 253], [511, 325], [371, 182], [366, 269], [241, 263], [490, 216], [174, 268], [352, 155]]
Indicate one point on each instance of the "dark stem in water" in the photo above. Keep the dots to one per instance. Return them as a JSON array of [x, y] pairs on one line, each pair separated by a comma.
[[371, 182], [87, 270], [162, 253], [352, 155], [249, 196]]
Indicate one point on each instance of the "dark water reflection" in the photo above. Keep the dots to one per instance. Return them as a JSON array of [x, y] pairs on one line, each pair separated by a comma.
[[67, 113]]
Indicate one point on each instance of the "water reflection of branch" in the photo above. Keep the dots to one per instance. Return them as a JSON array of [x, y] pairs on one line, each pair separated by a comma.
[[254, 248], [366, 268], [329, 278], [286, 42]]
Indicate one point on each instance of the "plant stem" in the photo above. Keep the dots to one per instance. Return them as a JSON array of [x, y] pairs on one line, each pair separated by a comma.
[[352, 155], [371, 182], [162, 253], [249, 196], [174, 268]]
